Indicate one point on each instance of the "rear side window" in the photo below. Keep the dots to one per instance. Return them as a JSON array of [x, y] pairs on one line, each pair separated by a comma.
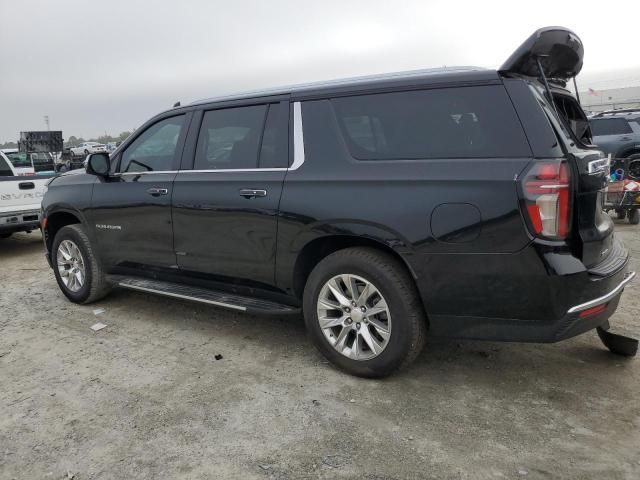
[[230, 138], [610, 126], [461, 122], [5, 170]]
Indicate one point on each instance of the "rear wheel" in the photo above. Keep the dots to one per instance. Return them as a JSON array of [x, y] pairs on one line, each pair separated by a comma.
[[621, 214], [363, 312], [77, 270], [634, 216]]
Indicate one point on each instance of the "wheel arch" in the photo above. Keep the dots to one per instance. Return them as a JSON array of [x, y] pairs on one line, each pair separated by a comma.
[[56, 220], [630, 151], [317, 249]]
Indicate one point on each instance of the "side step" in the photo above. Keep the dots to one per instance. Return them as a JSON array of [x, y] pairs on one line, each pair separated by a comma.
[[203, 295]]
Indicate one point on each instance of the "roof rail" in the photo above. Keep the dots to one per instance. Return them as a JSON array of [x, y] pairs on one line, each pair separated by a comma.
[[621, 110]]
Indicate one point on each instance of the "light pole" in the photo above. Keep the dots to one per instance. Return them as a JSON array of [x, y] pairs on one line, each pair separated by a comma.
[[46, 121]]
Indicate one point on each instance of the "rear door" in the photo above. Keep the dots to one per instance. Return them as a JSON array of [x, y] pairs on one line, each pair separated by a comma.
[[131, 211], [226, 198]]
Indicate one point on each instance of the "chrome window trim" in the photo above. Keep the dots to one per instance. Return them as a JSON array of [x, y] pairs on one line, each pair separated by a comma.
[[298, 137], [298, 154], [605, 298], [219, 170], [144, 173]]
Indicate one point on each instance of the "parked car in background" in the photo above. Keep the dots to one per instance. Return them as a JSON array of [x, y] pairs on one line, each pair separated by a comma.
[[20, 199], [461, 202], [20, 162], [86, 148], [617, 132], [39, 163]]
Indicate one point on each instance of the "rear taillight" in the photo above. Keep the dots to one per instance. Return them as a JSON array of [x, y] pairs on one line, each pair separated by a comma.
[[547, 197]]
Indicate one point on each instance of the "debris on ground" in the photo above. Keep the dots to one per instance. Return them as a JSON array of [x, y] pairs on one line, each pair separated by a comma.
[[98, 311], [265, 467], [218, 357], [315, 402], [98, 326]]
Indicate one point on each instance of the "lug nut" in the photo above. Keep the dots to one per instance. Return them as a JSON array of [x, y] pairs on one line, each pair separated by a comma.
[[353, 304], [347, 309], [366, 321], [363, 309], [348, 321], [358, 325]]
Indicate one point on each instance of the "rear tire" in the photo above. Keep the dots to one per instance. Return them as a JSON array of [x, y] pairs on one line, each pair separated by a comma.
[[634, 216], [401, 337], [621, 214], [94, 285]]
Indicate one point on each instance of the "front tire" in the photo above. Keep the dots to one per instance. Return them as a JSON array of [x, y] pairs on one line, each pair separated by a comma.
[[76, 268], [634, 216], [621, 214], [363, 312]]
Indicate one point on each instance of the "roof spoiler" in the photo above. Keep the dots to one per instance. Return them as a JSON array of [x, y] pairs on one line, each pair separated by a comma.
[[551, 52]]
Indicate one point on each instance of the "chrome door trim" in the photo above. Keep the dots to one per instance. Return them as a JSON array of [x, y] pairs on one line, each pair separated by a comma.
[[298, 137]]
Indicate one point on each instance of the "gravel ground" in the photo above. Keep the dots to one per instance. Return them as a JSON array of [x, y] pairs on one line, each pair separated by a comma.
[[146, 398]]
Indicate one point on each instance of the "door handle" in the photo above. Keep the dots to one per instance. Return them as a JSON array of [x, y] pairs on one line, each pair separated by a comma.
[[26, 186], [251, 193], [156, 192]]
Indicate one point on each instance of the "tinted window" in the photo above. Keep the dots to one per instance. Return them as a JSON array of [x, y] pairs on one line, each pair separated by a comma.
[[230, 138], [5, 170], [610, 126], [440, 123], [274, 150], [155, 148]]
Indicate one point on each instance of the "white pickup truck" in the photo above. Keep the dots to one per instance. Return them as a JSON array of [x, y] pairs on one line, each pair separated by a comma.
[[20, 198]]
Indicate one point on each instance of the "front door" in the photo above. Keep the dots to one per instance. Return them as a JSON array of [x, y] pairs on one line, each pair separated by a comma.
[[131, 210], [225, 207]]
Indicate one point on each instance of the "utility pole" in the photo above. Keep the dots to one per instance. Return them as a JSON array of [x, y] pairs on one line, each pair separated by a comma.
[[46, 121]]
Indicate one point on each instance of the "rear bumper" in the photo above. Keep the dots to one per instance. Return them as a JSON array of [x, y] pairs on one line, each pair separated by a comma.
[[19, 221], [565, 301]]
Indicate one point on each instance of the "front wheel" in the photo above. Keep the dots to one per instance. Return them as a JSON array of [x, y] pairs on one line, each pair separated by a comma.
[[634, 216], [77, 270], [363, 312]]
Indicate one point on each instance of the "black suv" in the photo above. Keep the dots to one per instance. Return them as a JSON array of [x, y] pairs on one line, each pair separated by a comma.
[[459, 202]]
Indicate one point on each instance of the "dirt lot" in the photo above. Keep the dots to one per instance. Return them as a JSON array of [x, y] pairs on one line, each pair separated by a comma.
[[145, 397]]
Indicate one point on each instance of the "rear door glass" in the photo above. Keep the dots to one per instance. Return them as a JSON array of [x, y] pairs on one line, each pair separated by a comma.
[[463, 122], [610, 126]]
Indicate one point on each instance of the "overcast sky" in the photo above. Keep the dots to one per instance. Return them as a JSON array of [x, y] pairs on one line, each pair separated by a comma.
[[107, 66]]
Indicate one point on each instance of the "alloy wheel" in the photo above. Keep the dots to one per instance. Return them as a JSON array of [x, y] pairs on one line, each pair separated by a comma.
[[71, 266], [354, 317]]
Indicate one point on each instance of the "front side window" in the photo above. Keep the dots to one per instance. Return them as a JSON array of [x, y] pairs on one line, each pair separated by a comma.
[[230, 138], [610, 126], [461, 122], [155, 148]]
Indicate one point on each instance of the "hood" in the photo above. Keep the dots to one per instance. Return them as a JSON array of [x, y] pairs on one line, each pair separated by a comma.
[[559, 49]]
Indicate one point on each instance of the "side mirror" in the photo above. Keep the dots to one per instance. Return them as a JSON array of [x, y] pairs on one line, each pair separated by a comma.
[[98, 164]]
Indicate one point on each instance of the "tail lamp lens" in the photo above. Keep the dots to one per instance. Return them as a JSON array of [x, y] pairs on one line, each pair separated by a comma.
[[547, 196]]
